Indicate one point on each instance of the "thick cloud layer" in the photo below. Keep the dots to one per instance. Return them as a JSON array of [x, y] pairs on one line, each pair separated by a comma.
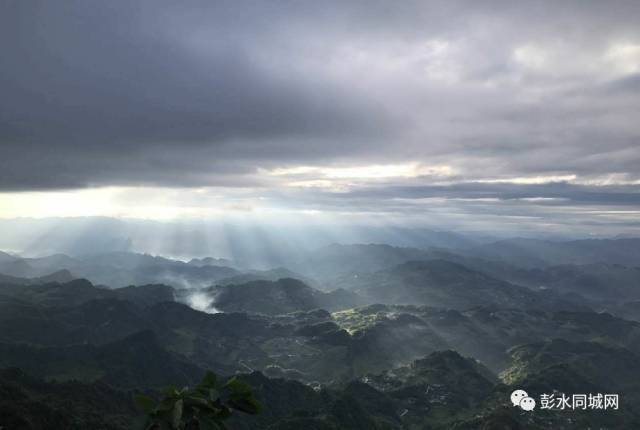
[[488, 99]]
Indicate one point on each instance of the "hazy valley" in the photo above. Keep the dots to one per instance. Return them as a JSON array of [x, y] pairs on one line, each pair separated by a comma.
[[346, 336]]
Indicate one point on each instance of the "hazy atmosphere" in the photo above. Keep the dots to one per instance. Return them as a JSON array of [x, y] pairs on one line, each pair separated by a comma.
[[319, 215]]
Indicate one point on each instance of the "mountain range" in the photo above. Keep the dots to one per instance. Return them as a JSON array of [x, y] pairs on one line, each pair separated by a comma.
[[348, 337]]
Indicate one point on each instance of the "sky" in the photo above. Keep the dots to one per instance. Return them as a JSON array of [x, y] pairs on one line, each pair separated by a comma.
[[452, 114]]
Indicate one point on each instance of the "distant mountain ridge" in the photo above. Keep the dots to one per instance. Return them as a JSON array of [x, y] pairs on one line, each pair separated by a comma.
[[279, 297], [120, 269], [443, 283], [61, 276], [537, 253]]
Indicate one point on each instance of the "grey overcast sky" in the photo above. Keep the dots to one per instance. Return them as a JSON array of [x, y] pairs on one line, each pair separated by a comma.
[[443, 112]]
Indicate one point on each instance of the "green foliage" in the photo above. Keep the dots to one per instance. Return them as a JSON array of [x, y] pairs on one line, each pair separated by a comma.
[[204, 407]]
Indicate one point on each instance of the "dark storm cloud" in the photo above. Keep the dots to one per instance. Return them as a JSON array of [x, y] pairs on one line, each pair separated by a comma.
[[554, 193], [206, 93], [106, 92]]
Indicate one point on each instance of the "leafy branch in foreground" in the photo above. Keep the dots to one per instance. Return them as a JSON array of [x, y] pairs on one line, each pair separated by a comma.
[[204, 407]]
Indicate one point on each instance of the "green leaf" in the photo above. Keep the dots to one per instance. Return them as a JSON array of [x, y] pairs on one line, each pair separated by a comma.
[[166, 404], [197, 402], [142, 423], [208, 423], [165, 425], [214, 394], [248, 405], [237, 386], [177, 414], [170, 391], [147, 404], [204, 403], [209, 380], [222, 414]]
